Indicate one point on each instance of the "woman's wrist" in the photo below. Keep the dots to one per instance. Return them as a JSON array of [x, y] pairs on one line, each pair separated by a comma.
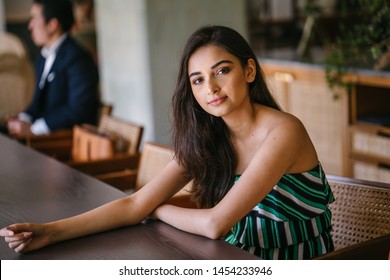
[[53, 233], [159, 211]]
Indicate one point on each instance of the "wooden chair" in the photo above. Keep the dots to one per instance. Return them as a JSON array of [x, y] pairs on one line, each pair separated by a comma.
[[154, 157], [129, 131], [131, 175], [58, 144], [113, 169], [87, 151], [361, 219], [105, 110]]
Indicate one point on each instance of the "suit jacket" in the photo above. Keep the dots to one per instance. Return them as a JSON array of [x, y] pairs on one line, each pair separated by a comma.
[[70, 95]]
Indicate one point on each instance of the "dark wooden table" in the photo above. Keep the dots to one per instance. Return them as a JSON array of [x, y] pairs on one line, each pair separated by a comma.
[[36, 188]]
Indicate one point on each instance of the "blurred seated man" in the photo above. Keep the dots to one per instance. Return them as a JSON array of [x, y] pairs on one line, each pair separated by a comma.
[[66, 91]]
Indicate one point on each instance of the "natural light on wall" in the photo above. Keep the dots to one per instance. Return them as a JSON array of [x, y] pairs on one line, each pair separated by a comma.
[[2, 17]]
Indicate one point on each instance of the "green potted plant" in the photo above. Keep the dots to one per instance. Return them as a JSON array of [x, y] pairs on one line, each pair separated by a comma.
[[362, 44]]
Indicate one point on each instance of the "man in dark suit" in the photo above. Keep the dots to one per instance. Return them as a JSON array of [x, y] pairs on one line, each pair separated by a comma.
[[67, 78]]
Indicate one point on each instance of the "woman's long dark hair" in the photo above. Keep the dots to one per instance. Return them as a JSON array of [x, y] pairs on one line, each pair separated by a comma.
[[201, 141]]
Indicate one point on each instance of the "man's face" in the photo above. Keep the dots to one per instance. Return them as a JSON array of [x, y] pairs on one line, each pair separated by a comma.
[[40, 32]]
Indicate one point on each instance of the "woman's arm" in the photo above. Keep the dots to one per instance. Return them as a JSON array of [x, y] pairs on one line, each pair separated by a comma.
[[125, 211], [284, 150]]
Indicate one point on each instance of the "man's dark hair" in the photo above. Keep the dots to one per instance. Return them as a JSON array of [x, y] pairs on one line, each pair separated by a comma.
[[62, 10]]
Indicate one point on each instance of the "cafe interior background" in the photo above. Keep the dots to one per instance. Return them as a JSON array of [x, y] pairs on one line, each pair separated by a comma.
[[137, 45]]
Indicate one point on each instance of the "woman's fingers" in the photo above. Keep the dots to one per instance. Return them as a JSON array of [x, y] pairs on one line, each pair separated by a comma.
[[15, 244], [23, 237], [22, 246], [4, 232], [18, 237], [18, 242], [14, 229]]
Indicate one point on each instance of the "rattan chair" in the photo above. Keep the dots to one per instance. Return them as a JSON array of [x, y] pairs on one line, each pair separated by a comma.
[[360, 219], [16, 76], [10, 43]]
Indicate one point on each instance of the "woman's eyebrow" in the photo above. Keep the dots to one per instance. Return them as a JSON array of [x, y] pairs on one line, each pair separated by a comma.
[[212, 67], [220, 62], [193, 74]]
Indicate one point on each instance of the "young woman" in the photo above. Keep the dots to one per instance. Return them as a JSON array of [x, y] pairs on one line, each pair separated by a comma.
[[257, 179]]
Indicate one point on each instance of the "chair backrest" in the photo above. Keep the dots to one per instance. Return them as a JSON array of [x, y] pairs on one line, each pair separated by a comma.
[[154, 157], [10, 43], [361, 210], [16, 76], [13, 94], [104, 110], [88, 144], [130, 132]]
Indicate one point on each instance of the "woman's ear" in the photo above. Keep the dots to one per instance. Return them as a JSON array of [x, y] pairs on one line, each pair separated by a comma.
[[250, 70]]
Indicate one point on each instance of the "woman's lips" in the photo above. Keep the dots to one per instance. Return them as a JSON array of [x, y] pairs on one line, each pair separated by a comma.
[[217, 101]]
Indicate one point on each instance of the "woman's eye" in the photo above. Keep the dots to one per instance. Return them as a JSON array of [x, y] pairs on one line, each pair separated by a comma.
[[223, 71], [197, 81]]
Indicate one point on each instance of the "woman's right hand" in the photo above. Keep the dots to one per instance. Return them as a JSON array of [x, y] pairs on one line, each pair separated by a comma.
[[26, 237]]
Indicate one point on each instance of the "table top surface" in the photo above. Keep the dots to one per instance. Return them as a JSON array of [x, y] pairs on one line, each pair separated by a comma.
[[37, 188]]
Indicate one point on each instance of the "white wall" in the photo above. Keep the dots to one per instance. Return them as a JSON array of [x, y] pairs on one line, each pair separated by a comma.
[[123, 60], [139, 44], [2, 16]]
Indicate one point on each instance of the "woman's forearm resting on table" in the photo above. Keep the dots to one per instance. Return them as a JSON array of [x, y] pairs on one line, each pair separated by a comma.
[[197, 221], [29, 236], [119, 213]]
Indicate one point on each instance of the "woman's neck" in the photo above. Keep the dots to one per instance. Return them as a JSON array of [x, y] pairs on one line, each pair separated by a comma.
[[242, 123]]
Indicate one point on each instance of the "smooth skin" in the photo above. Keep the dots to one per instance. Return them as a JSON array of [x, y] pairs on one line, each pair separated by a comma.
[[268, 144]]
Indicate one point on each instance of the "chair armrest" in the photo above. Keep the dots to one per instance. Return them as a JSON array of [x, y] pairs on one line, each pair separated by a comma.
[[57, 144], [352, 181], [373, 249], [123, 180], [66, 134], [58, 149], [117, 163]]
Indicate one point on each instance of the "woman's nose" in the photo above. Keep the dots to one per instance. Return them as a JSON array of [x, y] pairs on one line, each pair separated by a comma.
[[212, 87]]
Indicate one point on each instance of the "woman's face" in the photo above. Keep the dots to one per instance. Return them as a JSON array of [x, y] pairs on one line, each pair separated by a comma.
[[218, 80]]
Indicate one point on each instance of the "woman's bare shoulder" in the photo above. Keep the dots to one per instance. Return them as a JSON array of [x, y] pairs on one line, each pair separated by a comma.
[[283, 121]]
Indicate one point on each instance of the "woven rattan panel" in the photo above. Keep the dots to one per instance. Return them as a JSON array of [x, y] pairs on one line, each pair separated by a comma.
[[359, 213]]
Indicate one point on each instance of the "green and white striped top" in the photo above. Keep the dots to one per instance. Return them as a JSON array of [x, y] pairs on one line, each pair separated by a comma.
[[292, 222]]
